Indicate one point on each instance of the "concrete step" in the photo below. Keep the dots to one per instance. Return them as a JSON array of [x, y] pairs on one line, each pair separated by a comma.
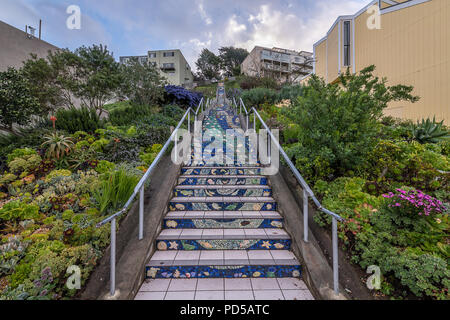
[[223, 234]]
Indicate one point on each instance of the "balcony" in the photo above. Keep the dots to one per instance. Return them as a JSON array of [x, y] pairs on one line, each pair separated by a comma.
[[274, 67], [168, 67]]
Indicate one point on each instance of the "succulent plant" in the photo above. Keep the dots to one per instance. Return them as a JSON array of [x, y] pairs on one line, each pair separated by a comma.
[[57, 145], [429, 131]]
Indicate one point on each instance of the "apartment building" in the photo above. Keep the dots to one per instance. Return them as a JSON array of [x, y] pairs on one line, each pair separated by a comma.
[[171, 64], [407, 41], [281, 64]]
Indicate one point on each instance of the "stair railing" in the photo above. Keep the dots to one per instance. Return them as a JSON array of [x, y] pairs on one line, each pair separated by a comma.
[[242, 106], [139, 189], [308, 193]]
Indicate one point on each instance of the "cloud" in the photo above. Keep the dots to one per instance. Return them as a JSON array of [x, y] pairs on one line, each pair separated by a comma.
[[133, 28]]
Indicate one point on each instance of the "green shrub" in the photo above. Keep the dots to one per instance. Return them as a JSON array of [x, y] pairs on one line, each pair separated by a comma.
[[127, 115], [258, 96], [73, 120], [339, 122], [115, 190]]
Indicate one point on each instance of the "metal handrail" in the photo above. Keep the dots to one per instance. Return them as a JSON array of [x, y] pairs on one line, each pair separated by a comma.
[[307, 192], [140, 189], [242, 105]]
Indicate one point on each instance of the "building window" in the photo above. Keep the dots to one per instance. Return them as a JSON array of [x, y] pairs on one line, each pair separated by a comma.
[[169, 54], [169, 65], [152, 55], [346, 43]]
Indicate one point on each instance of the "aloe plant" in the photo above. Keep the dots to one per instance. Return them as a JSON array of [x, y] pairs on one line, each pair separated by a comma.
[[57, 145], [429, 131]]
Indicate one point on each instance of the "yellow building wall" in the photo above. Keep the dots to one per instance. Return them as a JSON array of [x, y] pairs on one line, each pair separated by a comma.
[[333, 58], [321, 59], [411, 48]]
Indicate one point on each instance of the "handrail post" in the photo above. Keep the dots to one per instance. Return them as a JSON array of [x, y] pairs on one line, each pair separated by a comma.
[[247, 122], [112, 275], [189, 122], [141, 213], [176, 146], [269, 149], [254, 121], [335, 257], [305, 216]]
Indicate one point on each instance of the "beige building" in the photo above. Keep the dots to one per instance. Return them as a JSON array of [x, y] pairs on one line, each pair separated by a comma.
[[282, 64], [17, 45], [171, 64], [407, 41]]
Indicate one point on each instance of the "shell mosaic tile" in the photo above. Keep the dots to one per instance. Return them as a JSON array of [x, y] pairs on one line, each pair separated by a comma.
[[261, 244], [228, 192], [221, 172], [180, 272], [222, 206], [223, 223], [221, 181]]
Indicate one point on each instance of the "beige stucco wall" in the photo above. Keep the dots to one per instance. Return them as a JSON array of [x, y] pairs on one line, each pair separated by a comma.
[[412, 48], [181, 73], [15, 47]]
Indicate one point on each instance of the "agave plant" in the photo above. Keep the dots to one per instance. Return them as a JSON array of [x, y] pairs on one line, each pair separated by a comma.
[[57, 145], [429, 131]]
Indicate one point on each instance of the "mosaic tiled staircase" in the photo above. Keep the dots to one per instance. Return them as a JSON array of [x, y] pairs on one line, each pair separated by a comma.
[[222, 222]]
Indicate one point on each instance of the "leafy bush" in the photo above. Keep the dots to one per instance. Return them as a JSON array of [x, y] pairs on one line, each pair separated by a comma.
[[290, 92], [248, 83], [82, 119], [124, 116], [182, 97], [339, 123], [173, 112], [259, 96]]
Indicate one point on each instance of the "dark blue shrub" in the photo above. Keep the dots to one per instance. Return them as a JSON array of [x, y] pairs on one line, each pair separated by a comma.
[[182, 97]]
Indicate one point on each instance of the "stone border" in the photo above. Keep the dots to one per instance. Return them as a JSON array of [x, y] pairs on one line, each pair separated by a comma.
[[132, 254]]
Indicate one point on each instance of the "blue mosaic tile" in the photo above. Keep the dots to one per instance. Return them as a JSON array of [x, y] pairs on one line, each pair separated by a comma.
[[180, 272], [223, 223], [189, 245]]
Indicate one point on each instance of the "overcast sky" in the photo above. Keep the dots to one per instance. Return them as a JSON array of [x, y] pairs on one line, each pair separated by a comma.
[[132, 27]]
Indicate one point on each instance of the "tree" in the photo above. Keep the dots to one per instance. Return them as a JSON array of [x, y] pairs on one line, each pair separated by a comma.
[[142, 83], [98, 76], [339, 122], [231, 59], [208, 65], [17, 104]]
